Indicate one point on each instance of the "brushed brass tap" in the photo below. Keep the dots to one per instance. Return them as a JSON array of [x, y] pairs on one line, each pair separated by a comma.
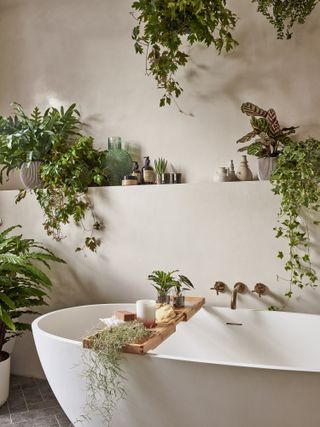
[[219, 287], [260, 289], [239, 288]]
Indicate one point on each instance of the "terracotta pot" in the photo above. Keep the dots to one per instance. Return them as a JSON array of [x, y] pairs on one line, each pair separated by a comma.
[[266, 166], [5, 359], [29, 174]]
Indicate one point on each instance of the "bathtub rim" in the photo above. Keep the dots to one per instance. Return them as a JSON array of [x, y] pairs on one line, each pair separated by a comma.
[[154, 354]]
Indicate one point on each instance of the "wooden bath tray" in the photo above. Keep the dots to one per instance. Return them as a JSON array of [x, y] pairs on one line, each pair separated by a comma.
[[162, 331]]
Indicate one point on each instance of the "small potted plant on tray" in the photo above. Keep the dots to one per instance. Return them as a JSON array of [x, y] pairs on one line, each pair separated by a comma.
[[163, 282], [22, 287], [180, 285]]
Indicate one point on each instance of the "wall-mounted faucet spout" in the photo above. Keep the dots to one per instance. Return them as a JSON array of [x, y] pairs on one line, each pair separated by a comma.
[[239, 288]]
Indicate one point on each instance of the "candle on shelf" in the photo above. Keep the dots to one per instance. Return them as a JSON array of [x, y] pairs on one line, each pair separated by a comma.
[[146, 312]]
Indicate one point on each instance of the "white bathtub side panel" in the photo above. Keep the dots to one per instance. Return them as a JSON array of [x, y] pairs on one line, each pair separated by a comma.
[[164, 392]]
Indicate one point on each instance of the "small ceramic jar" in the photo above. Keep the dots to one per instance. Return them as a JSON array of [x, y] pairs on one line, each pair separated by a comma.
[[221, 175]]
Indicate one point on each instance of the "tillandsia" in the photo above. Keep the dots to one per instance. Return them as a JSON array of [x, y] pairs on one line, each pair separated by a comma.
[[271, 138], [296, 179], [104, 372]]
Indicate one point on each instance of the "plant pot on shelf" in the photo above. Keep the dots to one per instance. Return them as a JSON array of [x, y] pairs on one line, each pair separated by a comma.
[[5, 359], [266, 166], [163, 178], [30, 174], [163, 299], [179, 301]]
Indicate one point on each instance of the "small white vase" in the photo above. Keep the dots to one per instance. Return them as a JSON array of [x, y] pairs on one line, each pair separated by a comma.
[[29, 174], [4, 379], [266, 166], [244, 172], [221, 175]]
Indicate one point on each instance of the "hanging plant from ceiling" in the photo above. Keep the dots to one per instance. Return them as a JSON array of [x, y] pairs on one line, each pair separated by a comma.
[[166, 29], [284, 14]]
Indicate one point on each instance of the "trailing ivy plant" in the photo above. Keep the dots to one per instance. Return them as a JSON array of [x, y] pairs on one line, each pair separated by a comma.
[[284, 14], [296, 179], [165, 29], [103, 371]]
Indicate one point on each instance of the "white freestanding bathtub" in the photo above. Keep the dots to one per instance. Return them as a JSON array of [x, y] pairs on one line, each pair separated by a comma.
[[223, 368]]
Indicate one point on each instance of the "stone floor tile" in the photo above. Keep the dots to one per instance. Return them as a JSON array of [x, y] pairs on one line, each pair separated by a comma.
[[34, 415], [16, 401], [44, 422], [31, 393], [4, 415], [63, 420]]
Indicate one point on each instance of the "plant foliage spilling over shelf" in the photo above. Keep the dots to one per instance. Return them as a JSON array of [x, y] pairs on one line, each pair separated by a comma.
[[296, 179], [69, 165], [167, 28], [23, 285]]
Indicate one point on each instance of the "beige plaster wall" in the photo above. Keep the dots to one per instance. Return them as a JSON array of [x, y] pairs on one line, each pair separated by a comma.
[[59, 52]]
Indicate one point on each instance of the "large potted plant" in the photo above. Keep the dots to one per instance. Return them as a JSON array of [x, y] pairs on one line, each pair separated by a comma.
[[270, 138], [57, 163], [23, 286]]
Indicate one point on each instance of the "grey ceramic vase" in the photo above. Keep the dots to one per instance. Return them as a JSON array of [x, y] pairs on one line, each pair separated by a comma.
[[29, 174], [266, 166], [179, 301]]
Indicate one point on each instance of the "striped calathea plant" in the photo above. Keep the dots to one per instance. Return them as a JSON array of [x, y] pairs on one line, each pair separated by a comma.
[[270, 137]]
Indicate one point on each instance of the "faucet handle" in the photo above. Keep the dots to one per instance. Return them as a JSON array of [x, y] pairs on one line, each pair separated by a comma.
[[241, 287], [260, 289], [219, 287]]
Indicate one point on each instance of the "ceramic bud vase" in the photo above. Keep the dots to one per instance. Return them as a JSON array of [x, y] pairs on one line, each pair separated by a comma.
[[4, 376], [244, 173], [30, 174], [266, 166], [221, 175]]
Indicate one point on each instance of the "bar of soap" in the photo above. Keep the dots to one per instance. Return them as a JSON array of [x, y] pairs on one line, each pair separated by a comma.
[[125, 315]]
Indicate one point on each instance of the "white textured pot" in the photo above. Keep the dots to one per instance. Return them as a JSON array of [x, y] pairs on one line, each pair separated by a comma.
[[265, 167], [4, 378], [29, 174]]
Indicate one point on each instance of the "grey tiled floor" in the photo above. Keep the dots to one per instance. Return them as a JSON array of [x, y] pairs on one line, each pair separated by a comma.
[[31, 404]]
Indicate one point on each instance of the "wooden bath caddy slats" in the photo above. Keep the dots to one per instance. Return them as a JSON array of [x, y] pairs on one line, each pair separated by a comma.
[[163, 330]]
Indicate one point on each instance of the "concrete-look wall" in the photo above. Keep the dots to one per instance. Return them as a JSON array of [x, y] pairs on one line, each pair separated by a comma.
[[80, 51]]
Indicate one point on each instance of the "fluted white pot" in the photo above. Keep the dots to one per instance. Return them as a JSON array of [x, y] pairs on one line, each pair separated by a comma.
[[265, 167], [29, 174], [4, 377]]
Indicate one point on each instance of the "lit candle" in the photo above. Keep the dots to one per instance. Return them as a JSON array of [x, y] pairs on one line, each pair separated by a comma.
[[146, 312]]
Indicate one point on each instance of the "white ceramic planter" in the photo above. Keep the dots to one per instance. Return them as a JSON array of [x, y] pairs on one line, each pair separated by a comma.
[[265, 167], [4, 380], [29, 175]]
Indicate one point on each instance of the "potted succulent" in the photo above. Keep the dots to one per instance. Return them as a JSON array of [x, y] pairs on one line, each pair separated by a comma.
[[181, 284], [163, 282], [23, 286], [160, 167], [271, 138], [56, 163]]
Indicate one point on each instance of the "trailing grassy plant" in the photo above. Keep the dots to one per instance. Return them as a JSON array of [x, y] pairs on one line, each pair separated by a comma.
[[103, 371], [296, 180]]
